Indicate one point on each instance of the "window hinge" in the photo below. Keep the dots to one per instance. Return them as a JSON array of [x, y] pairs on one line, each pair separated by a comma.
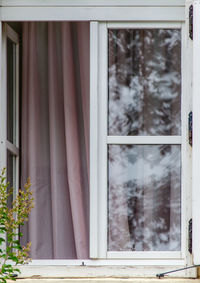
[[190, 128], [190, 236], [191, 22]]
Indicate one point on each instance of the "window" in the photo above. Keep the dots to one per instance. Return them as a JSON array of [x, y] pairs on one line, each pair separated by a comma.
[[140, 159], [142, 147], [144, 100], [11, 100]]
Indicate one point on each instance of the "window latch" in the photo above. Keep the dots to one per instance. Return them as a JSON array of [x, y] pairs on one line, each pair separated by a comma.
[[190, 128]]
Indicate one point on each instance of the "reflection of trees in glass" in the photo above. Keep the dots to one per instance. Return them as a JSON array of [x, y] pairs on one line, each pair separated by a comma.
[[144, 197], [144, 82]]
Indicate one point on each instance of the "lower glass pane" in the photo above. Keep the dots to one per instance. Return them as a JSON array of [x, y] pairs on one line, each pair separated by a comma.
[[144, 197]]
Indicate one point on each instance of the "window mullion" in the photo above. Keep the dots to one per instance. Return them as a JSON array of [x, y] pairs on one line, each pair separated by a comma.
[[94, 140], [102, 150], [144, 140]]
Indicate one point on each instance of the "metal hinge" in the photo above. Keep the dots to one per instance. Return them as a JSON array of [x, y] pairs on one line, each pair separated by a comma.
[[191, 21], [190, 236], [190, 128]]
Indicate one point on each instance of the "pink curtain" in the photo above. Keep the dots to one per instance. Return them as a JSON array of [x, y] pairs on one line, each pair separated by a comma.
[[55, 137]]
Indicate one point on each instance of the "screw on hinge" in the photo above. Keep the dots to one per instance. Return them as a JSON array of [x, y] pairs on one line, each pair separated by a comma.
[[191, 22], [190, 236], [190, 128]]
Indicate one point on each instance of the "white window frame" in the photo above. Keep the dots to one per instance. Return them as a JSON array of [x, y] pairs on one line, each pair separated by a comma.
[[100, 140], [196, 132], [5, 144], [9, 33], [103, 11]]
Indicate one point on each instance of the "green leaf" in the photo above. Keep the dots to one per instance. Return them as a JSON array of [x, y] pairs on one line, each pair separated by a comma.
[[17, 270], [16, 247], [13, 258], [2, 240], [5, 266], [16, 242]]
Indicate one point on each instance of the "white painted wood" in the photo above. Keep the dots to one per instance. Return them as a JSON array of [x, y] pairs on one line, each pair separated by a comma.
[[96, 13], [8, 32], [184, 131], [187, 55], [92, 14], [17, 115], [3, 103], [14, 37], [102, 150], [108, 280], [181, 140], [108, 262], [94, 140], [17, 92], [3, 115], [186, 172], [102, 272], [138, 25], [196, 134], [86, 3], [144, 255], [144, 139], [14, 147], [101, 268]]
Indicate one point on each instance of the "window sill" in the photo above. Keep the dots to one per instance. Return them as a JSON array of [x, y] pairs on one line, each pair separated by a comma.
[[106, 280], [100, 273]]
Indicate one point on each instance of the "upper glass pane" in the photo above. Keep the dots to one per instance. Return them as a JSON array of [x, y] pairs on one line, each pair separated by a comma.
[[144, 89], [11, 103]]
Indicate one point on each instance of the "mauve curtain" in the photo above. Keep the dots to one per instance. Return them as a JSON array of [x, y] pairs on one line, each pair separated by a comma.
[[55, 137]]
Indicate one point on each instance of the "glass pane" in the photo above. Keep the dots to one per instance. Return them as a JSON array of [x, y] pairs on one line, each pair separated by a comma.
[[144, 82], [144, 198], [11, 105], [10, 174]]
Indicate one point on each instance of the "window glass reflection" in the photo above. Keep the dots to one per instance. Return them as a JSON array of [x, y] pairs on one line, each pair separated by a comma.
[[144, 82], [10, 91], [144, 198]]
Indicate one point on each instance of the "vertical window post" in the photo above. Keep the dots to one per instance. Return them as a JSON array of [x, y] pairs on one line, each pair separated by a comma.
[[2, 102], [196, 133], [93, 140], [9, 107], [12, 106]]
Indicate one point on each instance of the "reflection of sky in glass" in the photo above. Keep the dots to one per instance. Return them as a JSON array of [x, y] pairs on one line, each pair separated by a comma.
[[144, 82], [144, 197]]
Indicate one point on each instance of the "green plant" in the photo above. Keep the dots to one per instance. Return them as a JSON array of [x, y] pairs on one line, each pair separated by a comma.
[[11, 218]]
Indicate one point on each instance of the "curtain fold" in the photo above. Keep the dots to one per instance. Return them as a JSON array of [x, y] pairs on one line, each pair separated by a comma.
[[55, 137]]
